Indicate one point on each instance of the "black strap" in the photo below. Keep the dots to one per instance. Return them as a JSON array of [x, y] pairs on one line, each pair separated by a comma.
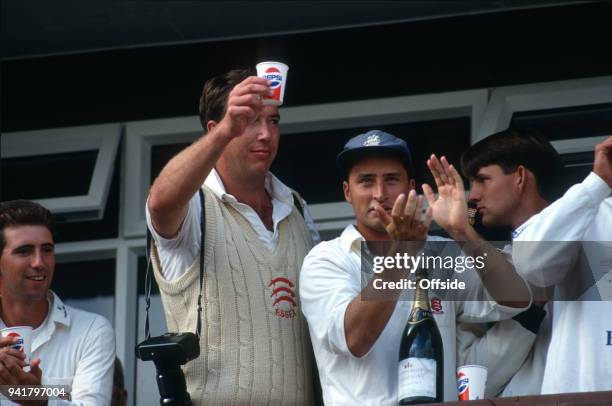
[[202, 238], [148, 273], [148, 286]]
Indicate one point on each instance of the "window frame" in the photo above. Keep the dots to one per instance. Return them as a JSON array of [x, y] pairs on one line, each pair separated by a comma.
[[143, 135], [102, 138]]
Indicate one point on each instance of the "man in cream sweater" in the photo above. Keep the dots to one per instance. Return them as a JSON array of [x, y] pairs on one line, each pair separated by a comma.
[[254, 347]]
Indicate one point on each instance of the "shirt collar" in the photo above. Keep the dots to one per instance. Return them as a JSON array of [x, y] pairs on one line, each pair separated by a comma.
[[59, 311], [517, 231], [351, 238], [275, 188]]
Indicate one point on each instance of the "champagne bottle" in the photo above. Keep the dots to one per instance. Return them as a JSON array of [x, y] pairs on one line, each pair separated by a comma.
[[421, 356]]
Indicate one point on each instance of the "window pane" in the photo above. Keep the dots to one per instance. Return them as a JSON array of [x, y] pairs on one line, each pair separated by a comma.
[[161, 154], [307, 161], [576, 167], [87, 285], [107, 227], [567, 123], [38, 177]]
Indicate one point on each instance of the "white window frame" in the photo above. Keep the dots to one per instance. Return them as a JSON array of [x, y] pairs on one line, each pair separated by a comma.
[[125, 253], [508, 100], [103, 138], [142, 135]]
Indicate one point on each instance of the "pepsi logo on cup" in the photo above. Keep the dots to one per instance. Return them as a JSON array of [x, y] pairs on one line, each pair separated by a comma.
[[274, 76], [463, 386], [276, 79], [17, 345]]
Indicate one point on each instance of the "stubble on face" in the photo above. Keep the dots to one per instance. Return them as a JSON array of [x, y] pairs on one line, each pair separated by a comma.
[[495, 195], [250, 155], [372, 182]]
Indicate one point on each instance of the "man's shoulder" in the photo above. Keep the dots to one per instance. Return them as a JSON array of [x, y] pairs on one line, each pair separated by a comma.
[[324, 248], [86, 320]]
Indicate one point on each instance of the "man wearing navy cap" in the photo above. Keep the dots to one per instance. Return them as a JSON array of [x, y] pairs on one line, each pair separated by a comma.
[[356, 341]]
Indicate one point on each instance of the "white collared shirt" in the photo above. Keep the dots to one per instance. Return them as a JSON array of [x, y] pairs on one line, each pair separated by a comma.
[[77, 349], [330, 279], [579, 357], [177, 254]]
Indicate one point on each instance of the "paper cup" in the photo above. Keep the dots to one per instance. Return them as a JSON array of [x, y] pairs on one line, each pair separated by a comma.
[[276, 73], [24, 343], [471, 381]]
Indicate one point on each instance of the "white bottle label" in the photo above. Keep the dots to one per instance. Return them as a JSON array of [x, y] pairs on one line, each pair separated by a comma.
[[417, 377]]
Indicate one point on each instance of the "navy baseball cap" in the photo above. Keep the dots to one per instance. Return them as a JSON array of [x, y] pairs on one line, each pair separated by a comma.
[[374, 141]]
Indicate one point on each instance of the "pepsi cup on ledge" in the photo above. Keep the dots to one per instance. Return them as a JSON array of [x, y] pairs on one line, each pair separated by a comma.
[[471, 382], [276, 73]]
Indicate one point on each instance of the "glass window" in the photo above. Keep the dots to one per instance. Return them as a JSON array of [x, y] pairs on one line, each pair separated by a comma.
[[107, 227], [87, 285], [46, 176], [161, 154], [307, 161], [567, 123]]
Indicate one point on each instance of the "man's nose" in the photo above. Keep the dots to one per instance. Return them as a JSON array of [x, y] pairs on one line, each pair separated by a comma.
[[37, 260], [474, 195], [264, 132], [380, 193]]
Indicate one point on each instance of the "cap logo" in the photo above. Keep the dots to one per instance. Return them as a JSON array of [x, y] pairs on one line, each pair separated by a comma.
[[372, 141]]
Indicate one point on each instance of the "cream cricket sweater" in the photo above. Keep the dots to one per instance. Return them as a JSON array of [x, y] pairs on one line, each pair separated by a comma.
[[254, 347]]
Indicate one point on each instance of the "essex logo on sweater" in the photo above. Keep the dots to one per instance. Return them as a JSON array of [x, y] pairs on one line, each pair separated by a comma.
[[436, 305], [283, 297]]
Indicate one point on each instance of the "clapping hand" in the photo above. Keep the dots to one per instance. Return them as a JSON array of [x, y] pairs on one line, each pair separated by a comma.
[[450, 208], [406, 222]]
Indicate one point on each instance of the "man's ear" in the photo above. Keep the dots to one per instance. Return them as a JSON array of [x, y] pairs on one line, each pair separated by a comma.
[[210, 125], [521, 177], [347, 191], [412, 184]]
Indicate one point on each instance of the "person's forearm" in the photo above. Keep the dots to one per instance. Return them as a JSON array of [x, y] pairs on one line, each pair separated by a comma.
[[368, 314], [181, 178], [498, 275], [365, 319]]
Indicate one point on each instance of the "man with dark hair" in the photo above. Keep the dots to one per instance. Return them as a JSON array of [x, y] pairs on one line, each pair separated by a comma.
[[511, 184], [509, 152], [568, 246], [356, 332], [254, 347], [512, 177], [69, 347]]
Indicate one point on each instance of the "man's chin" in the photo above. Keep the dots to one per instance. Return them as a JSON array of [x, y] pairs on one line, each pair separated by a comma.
[[492, 222], [377, 225]]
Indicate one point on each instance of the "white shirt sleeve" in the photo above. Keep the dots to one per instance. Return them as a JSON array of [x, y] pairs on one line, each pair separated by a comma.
[[568, 218], [327, 286], [537, 252], [92, 384], [475, 304], [177, 254]]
